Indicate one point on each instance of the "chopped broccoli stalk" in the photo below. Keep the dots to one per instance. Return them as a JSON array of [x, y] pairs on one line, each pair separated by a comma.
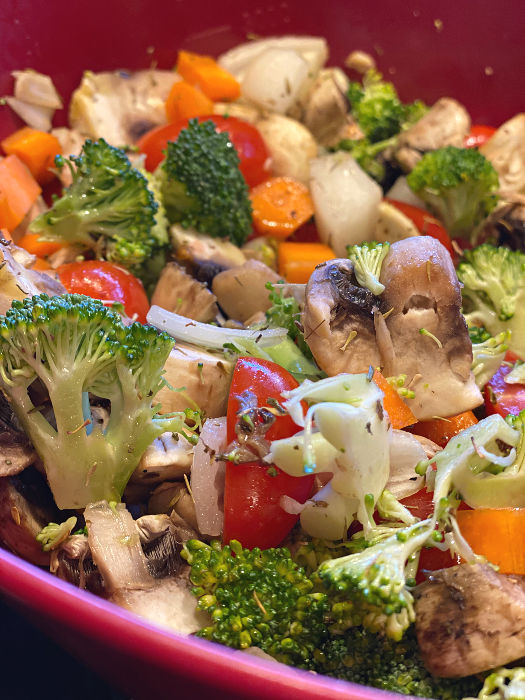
[[110, 207], [73, 345], [494, 291], [504, 684], [366, 154], [367, 259], [458, 185], [285, 313], [257, 598], [52, 535], [488, 354], [202, 185]]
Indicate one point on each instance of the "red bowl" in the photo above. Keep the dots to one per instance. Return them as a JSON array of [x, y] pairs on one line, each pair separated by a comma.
[[471, 51]]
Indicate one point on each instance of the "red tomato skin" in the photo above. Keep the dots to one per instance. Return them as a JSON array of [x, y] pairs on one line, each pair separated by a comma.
[[478, 135], [501, 397], [425, 223], [103, 280], [246, 139], [252, 494]]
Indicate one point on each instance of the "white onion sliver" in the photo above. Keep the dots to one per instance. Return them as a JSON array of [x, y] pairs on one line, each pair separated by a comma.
[[207, 477], [208, 336], [36, 88], [405, 452], [33, 115]]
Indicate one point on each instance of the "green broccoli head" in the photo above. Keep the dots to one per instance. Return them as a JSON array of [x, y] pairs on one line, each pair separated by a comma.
[[458, 185], [202, 184], [75, 346], [367, 259], [109, 207], [285, 313], [504, 684], [257, 598]]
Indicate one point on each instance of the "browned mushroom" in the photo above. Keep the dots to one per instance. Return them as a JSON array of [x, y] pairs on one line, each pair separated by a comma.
[[470, 619], [241, 291], [506, 151], [16, 451], [445, 124], [179, 292]]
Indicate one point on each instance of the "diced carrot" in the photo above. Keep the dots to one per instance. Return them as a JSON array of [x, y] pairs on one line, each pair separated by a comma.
[[498, 534], [186, 101], [4, 233], [215, 82], [297, 261], [37, 149], [399, 413], [18, 192], [441, 430], [280, 205], [41, 264], [32, 243]]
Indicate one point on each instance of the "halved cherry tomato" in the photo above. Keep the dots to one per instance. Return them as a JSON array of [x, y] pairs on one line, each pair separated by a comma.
[[501, 397], [252, 511], [246, 139], [478, 135], [104, 280], [425, 223]]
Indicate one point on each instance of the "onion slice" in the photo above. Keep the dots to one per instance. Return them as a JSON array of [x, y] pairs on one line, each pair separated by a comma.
[[207, 477], [405, 452]]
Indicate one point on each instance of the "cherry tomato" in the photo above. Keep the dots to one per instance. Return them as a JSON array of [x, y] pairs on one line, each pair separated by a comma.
[[425, 223], [441, 430], [501, 397], [104, 280], [252, 494], [248, 143], [478, 135]]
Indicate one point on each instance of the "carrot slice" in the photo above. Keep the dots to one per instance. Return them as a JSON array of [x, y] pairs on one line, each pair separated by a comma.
[[399, 413], [280, 205], [215, 82], [37, 149], [4, 233], [18, 192], [32, 243], [41, 265], [297, 261], [441, 430], [498, 534], [186, 101]]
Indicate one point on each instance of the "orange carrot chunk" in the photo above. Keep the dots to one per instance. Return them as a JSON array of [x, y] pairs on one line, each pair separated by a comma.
[[280, 205], [32, 243], [215, 82], [498, 534], [441, 430], [18, 192], [186, 101], [399, 413], [297, 261], [37, 149]]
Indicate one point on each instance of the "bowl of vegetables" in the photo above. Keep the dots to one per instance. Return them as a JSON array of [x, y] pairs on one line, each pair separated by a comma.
[[261, 344]]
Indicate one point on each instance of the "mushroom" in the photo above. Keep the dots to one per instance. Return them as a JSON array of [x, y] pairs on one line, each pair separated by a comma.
[[338, 319], [445, 124], [506, 151], [177, 291], [241, 291], [425, 330], [505, 225], [470, 619], [16, 451], [174, 499], [168, 457], [290, 144]]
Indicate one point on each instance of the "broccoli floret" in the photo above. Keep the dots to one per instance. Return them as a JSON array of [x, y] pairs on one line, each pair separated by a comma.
[[202, 185], [504, 684], [458, 185], [487, 354], [494, 291], [109, 207], [54, 534], [370, 588], [366, 154], [362, 657], [285, 313], [257, 598], [74, 345], [367, 259]]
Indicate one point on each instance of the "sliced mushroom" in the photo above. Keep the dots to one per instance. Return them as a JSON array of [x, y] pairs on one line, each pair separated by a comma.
[[506, 224], [120, 107], [290, 144], [168, 457], [73, 562], [338, 320], [241, 291], [179, 292], [161, 540], [470, 619], [16, 451], [506, 151], [392, 225], [174, 499], [200, 378], [429, 336], [445, 124]]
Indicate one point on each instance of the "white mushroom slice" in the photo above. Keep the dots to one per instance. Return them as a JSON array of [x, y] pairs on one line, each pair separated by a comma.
[[506, 151], [200, 378], [198, 250], [168, 457], [36, 88], [345, 201], [34, 115], [290, 144], [120, 107], [392, 225], [179, 292], [239, 110], [241, 291]]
